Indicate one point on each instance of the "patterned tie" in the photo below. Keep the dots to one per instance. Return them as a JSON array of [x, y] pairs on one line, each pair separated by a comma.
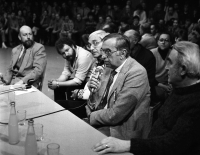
[[105, 94], [20, 60]]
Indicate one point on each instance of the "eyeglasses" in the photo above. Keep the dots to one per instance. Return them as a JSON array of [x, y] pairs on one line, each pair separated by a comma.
[[163, 40], [108, 51], [94, 43]]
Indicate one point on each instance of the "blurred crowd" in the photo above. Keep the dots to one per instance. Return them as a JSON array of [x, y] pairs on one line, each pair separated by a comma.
[[75, 19]]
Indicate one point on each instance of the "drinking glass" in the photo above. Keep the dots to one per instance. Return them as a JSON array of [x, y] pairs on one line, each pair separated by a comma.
[[38, 131], [21, 115], [53, 149]]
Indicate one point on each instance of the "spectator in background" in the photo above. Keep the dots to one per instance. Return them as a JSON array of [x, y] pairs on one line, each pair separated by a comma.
[[13, 29], [194, 35], [44, 23], [141, 14], [148, 40], [124, 26], [136, 24], [67, 27], [49, 29], [20, 18], [127, 13], [161, 54], [154, 31], [185, 13], [181, 35], [84, 10], [171, 14], [79, 27], [158, 13], [75, 9], [57, 28], [144, 57], [35, 26], [96, 12], [3, 29], [100, 23], [116, 14]]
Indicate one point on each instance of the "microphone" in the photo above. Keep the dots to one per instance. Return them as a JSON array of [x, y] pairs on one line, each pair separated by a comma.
[[97, 73]]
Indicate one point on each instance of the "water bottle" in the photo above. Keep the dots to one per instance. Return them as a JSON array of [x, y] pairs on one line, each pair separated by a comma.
[[13, 130], [30, 144]]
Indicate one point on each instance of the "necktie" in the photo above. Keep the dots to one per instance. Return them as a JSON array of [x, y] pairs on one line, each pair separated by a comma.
[[20, 60], [105, 94]]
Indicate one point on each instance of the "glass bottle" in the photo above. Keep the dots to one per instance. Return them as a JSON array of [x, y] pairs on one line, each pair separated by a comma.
[[13, 130], [30, 144]]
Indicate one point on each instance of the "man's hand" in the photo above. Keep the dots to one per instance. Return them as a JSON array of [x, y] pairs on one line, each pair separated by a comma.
[[111, 144], [19, 83], [168, 88], [52, 84], [93, 84]]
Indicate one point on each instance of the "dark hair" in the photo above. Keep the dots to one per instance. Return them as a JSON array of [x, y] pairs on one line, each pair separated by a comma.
[[145, 27], [63, 40], [122, 42], [136, 17]]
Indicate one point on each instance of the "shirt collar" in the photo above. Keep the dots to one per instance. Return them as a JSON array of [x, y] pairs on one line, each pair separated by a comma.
[[120, 67]]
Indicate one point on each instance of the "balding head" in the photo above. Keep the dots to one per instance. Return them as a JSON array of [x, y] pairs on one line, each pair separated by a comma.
[[26, 36], [95, 41], [133, 36]]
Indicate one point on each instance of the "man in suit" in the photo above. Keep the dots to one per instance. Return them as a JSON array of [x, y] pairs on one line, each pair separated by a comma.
[[121, 100], [28, 60], [145, 57]]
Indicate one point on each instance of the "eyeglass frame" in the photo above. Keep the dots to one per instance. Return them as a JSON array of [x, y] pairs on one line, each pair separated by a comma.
[[164, 40], [107, 53]]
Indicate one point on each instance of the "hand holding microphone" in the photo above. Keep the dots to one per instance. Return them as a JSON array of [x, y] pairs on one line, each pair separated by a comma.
[[95, 78]]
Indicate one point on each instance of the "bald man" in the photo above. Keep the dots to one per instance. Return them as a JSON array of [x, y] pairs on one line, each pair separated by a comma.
[[28, 60], [145, 57]]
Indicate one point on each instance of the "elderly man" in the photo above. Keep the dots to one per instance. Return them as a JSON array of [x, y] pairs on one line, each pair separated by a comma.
[[176, 131], [28, 60], [95, 43], [77, 69], [122, 95], [144, 57]]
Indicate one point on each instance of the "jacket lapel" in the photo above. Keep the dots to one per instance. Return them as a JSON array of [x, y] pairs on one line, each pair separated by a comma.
[[25, 60], [16, 54], [120, 77]]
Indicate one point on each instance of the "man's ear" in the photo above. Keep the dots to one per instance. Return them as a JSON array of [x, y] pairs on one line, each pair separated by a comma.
[[123, 53], [183, 70], [19, 37]]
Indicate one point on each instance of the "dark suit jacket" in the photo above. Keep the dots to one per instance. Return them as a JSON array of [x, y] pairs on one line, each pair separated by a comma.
[[128, 103], [33, 65], [146, 58]]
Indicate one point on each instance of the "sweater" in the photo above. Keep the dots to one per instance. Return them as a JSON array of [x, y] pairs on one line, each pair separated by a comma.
[[177, 129]]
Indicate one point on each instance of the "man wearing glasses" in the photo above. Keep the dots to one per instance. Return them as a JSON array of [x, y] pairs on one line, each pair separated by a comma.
[[161, 54], [122, 95], [77, 69]]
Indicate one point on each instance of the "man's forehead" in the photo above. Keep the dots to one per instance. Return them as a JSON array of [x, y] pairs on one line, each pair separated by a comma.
[[94, 38], [25, 29], [110, 43]]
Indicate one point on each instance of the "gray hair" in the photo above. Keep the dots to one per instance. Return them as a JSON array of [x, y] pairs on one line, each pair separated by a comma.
[[188, 56], [100, 33]]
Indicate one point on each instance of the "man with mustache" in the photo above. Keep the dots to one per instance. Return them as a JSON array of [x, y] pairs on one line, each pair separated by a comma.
[[28, 60]]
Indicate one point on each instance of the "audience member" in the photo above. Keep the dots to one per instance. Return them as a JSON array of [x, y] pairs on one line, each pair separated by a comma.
[[176, 132], [144, 57], [161, 54], [141, 14], [147, 40]]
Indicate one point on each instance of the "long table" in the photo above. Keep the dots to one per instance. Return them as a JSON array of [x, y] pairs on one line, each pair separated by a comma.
[[74, 136]]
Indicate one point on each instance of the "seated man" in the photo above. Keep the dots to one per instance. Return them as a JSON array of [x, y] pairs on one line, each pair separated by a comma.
[[176, 131], [122, 95], [77, 106], [145, 58], [77, 69], [28, 60]]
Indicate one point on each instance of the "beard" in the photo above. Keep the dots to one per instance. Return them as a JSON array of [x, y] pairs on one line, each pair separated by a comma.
[[71, 57], [28, 43]]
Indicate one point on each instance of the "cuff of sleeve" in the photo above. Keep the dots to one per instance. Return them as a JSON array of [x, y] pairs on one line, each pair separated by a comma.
[[77, 81]]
